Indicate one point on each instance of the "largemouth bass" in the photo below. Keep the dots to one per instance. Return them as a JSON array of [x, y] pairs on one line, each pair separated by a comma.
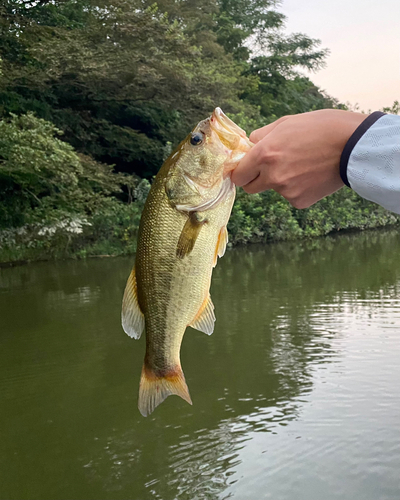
[[181, 235]]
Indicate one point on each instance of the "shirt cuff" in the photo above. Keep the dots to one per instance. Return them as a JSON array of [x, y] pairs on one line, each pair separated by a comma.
[[371, 161], [351, 143]]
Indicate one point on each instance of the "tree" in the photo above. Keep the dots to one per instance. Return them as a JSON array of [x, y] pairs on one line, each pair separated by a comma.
[[111, 80], [124, 78]]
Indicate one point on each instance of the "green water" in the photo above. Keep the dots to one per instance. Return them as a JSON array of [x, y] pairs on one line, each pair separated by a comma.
[[296, 394]]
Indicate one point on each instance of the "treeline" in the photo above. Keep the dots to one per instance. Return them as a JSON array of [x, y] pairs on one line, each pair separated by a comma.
[[95, 94]]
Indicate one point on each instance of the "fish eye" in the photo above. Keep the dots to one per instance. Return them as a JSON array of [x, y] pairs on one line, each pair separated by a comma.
[[197, 138]]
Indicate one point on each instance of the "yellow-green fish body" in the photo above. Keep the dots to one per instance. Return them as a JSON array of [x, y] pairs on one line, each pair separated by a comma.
[[182, 233]]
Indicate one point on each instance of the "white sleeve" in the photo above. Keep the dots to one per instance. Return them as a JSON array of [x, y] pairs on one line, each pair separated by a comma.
[[370, 162]]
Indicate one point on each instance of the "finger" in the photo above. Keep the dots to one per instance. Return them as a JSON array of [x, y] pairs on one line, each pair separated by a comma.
[[260, 133], [248, 168]]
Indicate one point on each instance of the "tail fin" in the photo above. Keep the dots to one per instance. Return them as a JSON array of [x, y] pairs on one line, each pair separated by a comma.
[[153, 389]]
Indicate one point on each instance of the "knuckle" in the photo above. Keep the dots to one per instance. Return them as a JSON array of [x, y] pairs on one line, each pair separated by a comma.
[[267, 156]]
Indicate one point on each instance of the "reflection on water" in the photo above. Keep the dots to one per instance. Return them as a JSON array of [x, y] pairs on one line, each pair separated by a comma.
[[295, 395]]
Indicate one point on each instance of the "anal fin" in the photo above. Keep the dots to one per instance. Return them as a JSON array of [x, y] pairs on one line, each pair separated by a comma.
[[205, 318], [132, 317]]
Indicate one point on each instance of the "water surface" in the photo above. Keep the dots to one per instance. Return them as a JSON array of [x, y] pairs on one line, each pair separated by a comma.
[[296, 394]]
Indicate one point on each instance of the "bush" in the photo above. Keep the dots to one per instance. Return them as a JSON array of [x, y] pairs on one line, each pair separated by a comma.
[[112, 230], [43, 180]]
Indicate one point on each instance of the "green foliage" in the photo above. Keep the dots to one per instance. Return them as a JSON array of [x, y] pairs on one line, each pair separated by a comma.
[[42, 177], [55, 202], [111, 82], [262, 217]]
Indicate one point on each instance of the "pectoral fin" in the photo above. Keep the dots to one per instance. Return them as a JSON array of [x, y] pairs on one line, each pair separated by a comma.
[[205, 319], [221, 244], [189, 234], [132, 316]]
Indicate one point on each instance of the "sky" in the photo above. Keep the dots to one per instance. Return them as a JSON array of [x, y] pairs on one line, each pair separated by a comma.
[[363, 37]]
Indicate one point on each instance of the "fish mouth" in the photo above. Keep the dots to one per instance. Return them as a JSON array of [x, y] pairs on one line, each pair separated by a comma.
[[232, 137], [224, 126]]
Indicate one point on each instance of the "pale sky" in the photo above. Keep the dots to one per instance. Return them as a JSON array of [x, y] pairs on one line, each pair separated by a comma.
[[363, 37]]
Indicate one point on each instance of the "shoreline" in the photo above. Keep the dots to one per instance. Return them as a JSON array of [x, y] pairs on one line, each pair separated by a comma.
[[333, 234]]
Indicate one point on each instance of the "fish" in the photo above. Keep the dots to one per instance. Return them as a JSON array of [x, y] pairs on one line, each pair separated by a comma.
[[182, 232]]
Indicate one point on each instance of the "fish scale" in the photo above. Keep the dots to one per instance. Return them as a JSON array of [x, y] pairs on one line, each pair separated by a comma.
[[171, 298]]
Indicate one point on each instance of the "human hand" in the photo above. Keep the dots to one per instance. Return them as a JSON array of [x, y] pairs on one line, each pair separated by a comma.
[[298, 156]]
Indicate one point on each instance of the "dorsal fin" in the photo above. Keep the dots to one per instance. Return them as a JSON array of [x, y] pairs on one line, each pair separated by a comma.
[[204, 321], [132, 316]]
